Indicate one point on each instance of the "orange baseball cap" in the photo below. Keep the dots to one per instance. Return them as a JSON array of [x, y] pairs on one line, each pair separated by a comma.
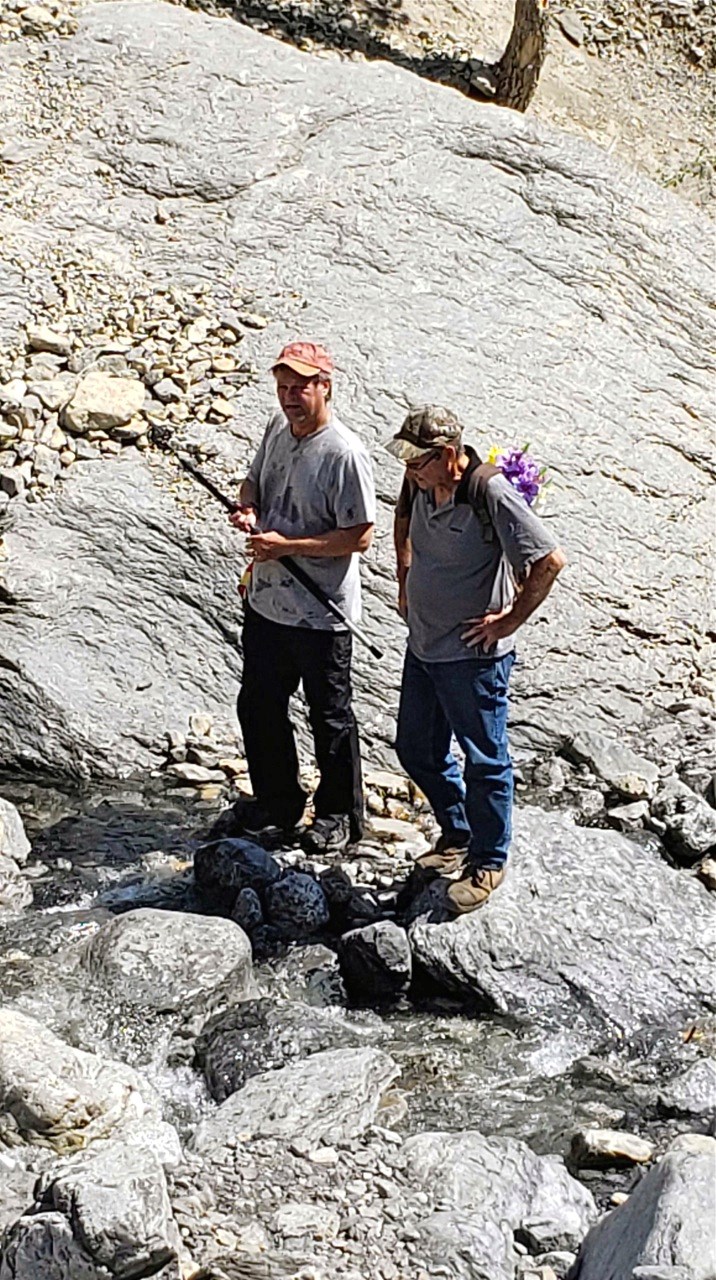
[[306, 358]]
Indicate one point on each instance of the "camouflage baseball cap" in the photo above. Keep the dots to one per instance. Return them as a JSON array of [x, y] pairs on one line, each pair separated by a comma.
[[426, 427]]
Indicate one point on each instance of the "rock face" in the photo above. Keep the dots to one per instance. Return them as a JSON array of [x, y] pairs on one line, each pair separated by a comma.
[[329, 1096], [566, 933], [13, 841], [666, 1227], [509, 1190], [166, 960], [59, 1097], [106, 1213], [563, 333]]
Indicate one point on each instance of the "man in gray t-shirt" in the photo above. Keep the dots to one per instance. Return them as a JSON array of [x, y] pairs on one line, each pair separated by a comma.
[[308, 495], [474, 562]]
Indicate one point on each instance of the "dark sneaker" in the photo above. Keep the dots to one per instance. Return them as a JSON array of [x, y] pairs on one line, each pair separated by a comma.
[[445, 859], [473, 888], [328, 835]]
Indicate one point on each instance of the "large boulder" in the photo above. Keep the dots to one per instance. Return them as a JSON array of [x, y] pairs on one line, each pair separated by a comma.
[[52, 1095], [586, 923], [103, 1214], [582, 307], [525, 1194], [167, 960], [667, 1227], [330, 1096]]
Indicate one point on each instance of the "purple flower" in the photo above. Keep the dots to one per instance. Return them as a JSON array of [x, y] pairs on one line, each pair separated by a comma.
[[523, 473]]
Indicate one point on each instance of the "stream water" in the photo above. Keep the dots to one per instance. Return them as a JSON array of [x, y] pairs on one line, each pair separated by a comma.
[[107, 851]]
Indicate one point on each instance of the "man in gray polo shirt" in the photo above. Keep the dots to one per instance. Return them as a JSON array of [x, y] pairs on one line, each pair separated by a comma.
[[460, 557], [309, 495]]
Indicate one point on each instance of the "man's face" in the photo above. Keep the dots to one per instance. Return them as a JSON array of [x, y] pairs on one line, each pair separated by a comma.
[[303, 400], [432, 468]]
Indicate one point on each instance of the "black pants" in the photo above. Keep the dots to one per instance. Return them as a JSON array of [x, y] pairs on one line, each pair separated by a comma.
[[276, 660]]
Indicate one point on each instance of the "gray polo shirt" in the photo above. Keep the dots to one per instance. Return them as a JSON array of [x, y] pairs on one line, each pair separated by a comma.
[[460, 569], [306, 487]]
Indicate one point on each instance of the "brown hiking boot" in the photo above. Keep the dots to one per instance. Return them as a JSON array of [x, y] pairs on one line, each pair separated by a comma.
[[473, 888], [445, 859]]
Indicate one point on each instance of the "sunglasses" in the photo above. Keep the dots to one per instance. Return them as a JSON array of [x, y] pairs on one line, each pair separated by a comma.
[[424, 461]]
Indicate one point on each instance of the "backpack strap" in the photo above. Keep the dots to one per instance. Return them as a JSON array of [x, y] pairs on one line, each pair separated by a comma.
[[477, 496]]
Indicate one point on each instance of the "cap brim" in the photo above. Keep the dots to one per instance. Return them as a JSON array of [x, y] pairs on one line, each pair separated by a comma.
[[298, 366], [404, 451]]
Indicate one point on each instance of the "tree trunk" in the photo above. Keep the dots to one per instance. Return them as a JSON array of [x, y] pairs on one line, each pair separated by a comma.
[[517, 72]]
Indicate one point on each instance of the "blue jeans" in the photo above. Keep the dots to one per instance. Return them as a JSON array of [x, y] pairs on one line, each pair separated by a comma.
[[467, 698]]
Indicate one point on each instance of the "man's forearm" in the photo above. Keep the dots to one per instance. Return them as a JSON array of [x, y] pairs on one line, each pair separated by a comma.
[[403, 549], [537, 586], [248, 493], [333, 544]]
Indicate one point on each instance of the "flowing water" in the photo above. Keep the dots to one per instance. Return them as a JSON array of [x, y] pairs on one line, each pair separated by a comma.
[[102, 852]]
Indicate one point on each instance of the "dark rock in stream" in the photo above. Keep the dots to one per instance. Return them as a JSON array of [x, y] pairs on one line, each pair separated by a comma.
[[375, 961], [223, 867], [262, 1035], [666, 1230], [586, 923]]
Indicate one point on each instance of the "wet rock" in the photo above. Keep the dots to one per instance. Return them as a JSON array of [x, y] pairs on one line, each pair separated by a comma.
[[609, 1149], [666, 1228], [565, 933], [296, 904], [502, 1179], [328, 1097], [55, 1096], [13, 841], [620, 768], [225, 866], [690, 823], [375, 961], [694, 1091], [102, 1214], [262, 1035], [164, 960], [103, 402], [247, 911]]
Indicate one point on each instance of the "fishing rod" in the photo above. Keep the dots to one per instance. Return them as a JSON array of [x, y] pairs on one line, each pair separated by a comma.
[[161, 436]]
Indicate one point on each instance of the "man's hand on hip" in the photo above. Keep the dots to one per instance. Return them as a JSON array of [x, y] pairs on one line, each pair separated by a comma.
[[486, 631]]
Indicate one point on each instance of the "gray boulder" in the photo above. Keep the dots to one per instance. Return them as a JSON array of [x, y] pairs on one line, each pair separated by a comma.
[[615, 765], [103, 1214], [263, 1035], [375, 962], [13, 841], [694, 1091], [296, 904], [167, 960], [55, 1096], [666, 1230], [566, 932], [510, 1186], [330, 1096], [542, 316]]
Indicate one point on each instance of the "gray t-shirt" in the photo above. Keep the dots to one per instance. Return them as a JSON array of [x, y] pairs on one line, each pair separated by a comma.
[[461, 569], [306, 487]]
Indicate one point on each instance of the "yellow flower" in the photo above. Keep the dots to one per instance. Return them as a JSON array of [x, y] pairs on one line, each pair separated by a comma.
[[495, 452]]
